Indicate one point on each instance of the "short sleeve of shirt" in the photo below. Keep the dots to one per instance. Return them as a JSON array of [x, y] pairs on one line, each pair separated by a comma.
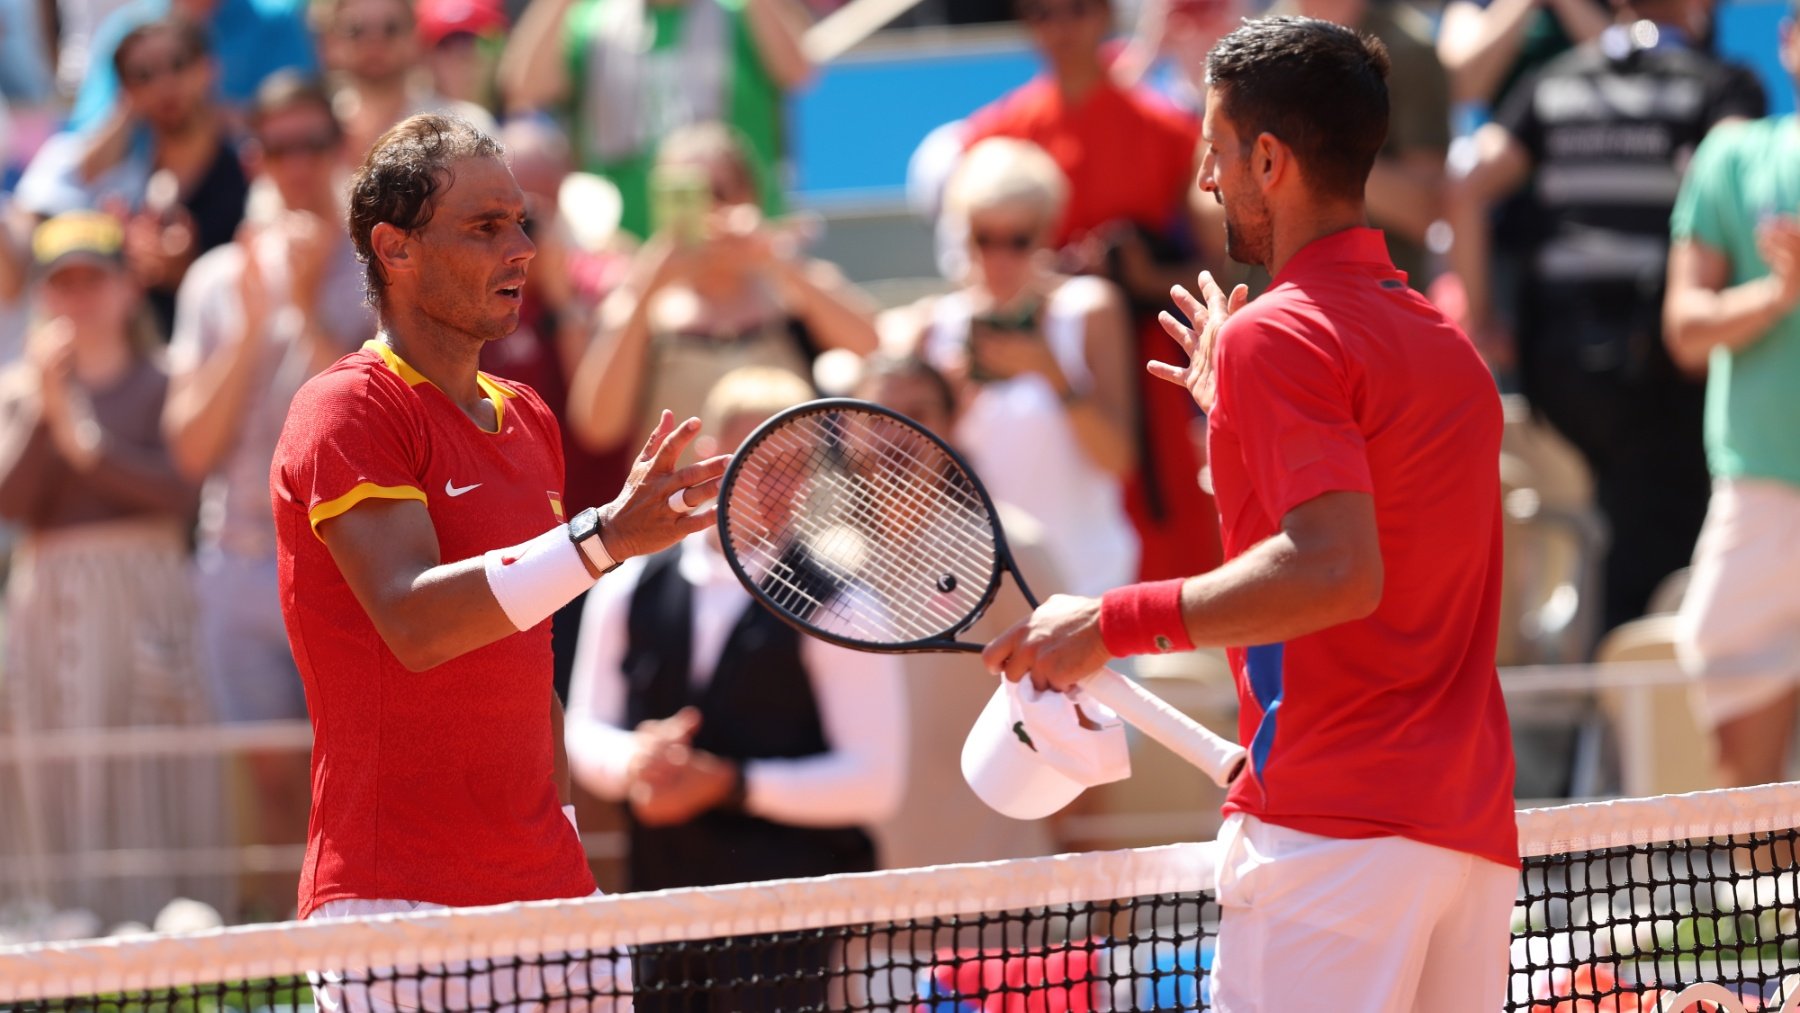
[[1703, 208], [1287, 400], [351, 438]]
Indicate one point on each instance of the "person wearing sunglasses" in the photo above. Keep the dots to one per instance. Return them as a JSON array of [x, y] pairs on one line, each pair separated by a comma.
[[182, 190], [254, 319], [1041, 362], [375, 58], [250, 39]]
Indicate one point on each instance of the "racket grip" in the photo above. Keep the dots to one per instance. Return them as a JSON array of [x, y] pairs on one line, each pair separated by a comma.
[[1219, 757]]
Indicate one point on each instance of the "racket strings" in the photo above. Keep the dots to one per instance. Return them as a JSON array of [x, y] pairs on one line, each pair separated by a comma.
[[854, 532], [838, 532]]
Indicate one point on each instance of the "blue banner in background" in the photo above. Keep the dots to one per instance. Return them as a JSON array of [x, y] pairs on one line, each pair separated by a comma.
[[856, 127]]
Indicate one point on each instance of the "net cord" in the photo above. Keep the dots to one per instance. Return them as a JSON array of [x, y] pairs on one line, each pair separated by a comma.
[[1595, 826], [260, 951], [253, 952]]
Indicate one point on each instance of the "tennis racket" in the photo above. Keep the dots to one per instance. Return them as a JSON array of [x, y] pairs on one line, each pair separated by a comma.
[[859, 527]]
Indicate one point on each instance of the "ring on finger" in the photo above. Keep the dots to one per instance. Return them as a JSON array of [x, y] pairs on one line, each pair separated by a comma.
[[678, 502]]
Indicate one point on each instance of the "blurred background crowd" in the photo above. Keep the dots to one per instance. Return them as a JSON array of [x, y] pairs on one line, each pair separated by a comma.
[[972, 215]]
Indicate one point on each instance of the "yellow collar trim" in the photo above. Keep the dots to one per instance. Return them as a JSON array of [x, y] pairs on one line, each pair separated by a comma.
[[498, 393]]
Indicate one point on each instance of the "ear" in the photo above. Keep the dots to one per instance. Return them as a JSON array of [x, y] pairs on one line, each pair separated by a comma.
[[392, 248], [1790, 33], [1270, 161]]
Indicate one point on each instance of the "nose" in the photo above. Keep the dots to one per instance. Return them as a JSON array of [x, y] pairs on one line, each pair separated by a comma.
[[523, 249], [1207, 181]]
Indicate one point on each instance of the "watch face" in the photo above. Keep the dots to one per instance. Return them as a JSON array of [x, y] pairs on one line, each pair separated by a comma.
[[585, 524]]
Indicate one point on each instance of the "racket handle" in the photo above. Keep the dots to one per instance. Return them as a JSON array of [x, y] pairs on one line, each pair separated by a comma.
[[1219, 757]]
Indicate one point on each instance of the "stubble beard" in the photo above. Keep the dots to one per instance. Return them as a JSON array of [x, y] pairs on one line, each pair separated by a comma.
[[1246, 243]]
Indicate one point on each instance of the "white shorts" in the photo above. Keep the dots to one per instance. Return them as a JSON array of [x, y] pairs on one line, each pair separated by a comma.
[[558, 986], [1739, 628], [1376, 925]]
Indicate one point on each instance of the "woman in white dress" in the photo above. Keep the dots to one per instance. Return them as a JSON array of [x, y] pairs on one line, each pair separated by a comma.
[[1041, 364]]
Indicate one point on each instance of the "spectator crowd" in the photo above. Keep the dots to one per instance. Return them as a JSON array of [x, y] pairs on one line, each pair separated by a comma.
[[1619, 236]]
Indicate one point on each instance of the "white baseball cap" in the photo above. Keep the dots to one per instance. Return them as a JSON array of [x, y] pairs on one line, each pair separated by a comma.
[[1031, 753]]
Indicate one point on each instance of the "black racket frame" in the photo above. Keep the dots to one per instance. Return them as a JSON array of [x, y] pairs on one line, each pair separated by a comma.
[[943, 641]]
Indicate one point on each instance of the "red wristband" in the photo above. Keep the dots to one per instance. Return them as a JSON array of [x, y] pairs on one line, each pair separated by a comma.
[[1144, 619]]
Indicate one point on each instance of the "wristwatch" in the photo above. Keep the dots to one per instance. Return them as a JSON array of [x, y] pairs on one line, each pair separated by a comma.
[[584, 531]]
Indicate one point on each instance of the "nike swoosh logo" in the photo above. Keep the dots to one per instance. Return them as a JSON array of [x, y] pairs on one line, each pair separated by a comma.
[[453, 491]]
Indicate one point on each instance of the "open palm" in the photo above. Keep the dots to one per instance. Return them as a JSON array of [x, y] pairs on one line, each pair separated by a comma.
[[1199, 341]]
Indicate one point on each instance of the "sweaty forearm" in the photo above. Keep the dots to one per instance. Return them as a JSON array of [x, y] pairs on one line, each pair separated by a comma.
[[1274, 593]]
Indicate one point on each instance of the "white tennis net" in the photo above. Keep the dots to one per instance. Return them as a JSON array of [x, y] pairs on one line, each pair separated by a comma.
[[1624, 906]]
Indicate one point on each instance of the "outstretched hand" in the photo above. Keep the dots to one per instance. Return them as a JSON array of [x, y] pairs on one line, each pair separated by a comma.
[[642, 519], [1199, 341]]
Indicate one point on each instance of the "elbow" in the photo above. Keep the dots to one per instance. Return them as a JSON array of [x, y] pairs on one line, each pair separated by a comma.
[[1688, 354], [1350, 590], [417, 646]]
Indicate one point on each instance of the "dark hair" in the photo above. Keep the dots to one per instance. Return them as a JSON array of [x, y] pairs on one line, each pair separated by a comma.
[[887, 366], [189, 34], [286, 89], [1319, 87], [407, 166]]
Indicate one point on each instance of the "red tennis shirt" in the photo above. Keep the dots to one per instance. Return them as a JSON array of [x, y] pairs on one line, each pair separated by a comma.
[[1342, 378], [431, 786]]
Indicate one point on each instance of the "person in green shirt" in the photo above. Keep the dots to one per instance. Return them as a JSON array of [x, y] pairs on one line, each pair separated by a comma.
[[625, 73], [1734, 285]]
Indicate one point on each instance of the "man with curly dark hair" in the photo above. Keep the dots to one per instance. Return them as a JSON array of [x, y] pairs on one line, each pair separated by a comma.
[[423, 547]]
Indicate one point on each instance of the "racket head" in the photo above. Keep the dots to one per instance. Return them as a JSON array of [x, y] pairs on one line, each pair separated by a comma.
[[857, 525]]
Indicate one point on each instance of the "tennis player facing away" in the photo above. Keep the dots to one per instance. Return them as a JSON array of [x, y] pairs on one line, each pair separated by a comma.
[[423, 546], [1368, 858]]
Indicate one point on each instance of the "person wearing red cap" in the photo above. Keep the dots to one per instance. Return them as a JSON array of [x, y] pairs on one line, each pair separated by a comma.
[[462, 40]]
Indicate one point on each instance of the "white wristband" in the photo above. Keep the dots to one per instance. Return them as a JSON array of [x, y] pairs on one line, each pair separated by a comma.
[[534, 579]]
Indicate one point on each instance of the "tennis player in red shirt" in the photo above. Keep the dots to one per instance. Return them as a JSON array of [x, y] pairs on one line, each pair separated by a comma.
[[1368, 861], [422, 547]]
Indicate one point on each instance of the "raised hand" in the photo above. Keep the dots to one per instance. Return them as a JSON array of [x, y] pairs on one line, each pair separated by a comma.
[[646, 517], [1200, 341]]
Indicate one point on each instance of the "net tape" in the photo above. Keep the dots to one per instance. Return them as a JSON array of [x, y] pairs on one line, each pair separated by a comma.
[[1622, 903]]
